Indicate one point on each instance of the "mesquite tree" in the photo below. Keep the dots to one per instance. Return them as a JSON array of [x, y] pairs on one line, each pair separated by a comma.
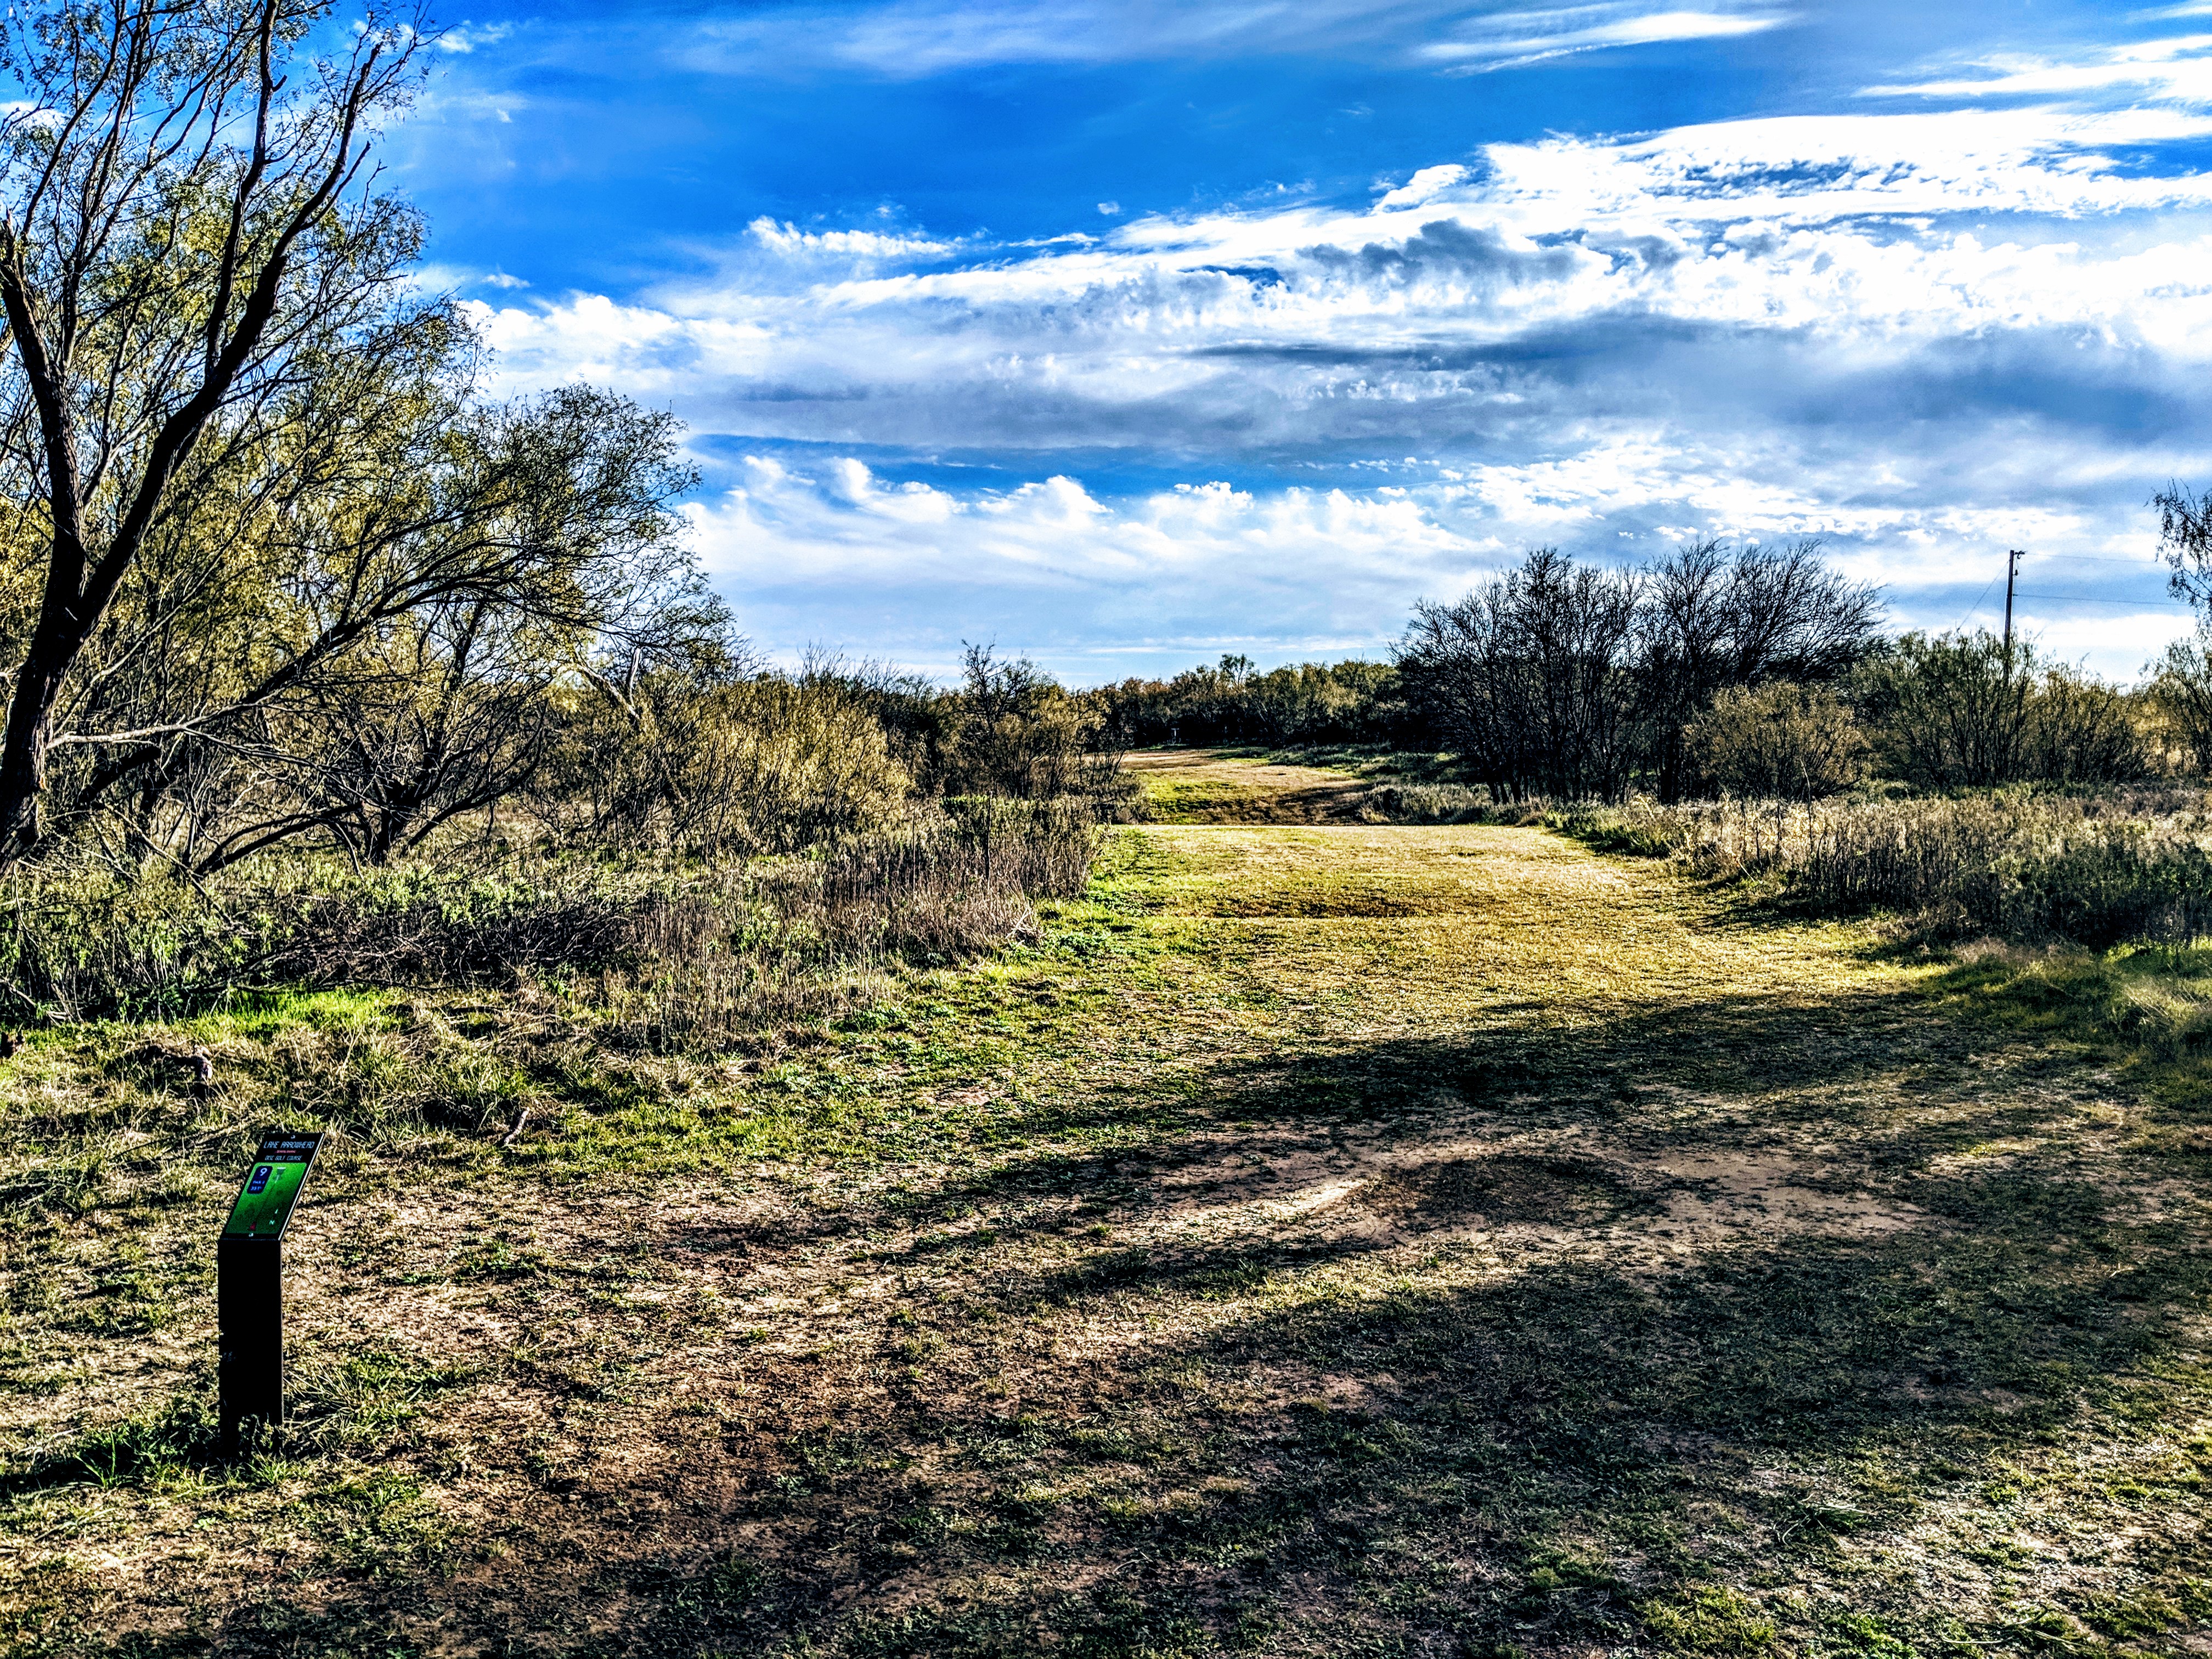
[[1531, 678], [186, 217], [419, 612]]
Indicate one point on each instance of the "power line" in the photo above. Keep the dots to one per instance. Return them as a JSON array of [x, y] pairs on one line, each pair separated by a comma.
[[2092, 558], [2082, 599], [1976, 605], [2013, 556]]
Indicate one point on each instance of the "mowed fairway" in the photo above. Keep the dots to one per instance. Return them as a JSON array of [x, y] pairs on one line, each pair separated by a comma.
[[1326, 1240]]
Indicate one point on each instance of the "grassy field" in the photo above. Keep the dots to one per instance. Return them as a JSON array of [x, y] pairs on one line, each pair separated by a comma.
[[1327, 1240], [1213, 786]]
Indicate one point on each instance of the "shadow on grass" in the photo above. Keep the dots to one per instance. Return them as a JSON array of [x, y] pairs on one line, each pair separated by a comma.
[[1558, 1456], [1564, 1458], [1310, 1447], [333, 1404]]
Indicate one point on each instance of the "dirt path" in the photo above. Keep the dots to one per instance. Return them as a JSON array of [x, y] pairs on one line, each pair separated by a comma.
[[1330, 1240]]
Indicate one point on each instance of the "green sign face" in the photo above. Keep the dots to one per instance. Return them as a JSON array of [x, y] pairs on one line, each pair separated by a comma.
[[264, 1203]]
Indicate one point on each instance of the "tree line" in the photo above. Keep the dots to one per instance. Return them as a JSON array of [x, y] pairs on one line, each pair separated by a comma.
[[1718, 667]]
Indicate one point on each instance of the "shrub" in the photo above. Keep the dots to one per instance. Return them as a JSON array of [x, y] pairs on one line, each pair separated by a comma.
[[687, 760], [1231, 702], [1630, 833], [1014, 733], [1963, 710], [2118, 883], [1781, 740], [1433, 803]]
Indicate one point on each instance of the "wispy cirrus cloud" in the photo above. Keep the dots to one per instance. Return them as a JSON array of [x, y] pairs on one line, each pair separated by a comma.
[[467, 37], [1514, 38], [2176, 70], [909, 39]]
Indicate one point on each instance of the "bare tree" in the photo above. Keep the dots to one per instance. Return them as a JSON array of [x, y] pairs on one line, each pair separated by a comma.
[[1717, 618], [1529, 676], [184, 219]]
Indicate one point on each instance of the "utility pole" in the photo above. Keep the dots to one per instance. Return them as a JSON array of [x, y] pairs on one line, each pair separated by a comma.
[[2013, 556]]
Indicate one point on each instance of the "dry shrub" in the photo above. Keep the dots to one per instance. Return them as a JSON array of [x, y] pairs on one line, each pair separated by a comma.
[[1781, 739], [760, 765], [1963, 710], [802, 938], [1429, 802]]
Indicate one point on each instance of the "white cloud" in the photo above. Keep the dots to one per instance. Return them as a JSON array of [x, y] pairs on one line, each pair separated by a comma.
[[1050, 568], [1313, 325], [910, 39], [2178, 69], [1425, 185], [1510, 41], [790, 242], [465, 38], [1923, 334], [828, 546]]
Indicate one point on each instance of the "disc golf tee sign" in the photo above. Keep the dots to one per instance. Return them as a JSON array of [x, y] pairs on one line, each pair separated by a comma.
[[280, 1170], [249, 1282]]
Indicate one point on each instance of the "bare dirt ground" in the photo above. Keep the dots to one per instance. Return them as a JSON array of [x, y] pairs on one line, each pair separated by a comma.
[[1330, 1240]]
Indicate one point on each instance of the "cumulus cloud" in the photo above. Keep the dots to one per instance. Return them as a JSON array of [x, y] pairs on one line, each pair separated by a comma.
[[827, 547], [790, 242], [1923, 333], [1465, 297]]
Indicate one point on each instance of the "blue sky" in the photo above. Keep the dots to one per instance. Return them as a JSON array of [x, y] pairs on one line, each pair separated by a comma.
[[1127, 335]]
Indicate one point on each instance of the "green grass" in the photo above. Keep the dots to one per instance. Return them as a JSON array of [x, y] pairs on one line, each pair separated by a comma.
[[1329, 1241], [1373, 761]]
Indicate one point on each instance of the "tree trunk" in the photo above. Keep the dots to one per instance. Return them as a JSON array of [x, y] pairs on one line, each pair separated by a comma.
[[23, 751]]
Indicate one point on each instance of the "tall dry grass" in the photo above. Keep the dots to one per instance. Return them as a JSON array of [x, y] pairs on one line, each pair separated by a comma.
[[2119, 866], [652, 944], [1446, 803]]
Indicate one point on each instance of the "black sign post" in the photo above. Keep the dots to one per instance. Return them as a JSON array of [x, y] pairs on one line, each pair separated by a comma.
[[249, 1285]]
